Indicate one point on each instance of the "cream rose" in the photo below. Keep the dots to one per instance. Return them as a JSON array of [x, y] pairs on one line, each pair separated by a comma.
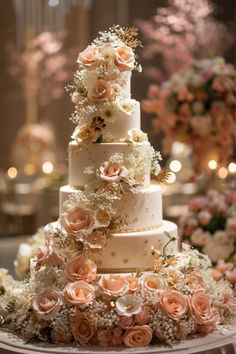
[[152, 282], [81, 269], [83, 329], [78, 293], [174, 304], [77, 221], [114, 285], [111, 172], [138, 336], [124, 58], [47, 304], [100, 91], [84, 134], [201, 308], [89, 58], [137, 136]]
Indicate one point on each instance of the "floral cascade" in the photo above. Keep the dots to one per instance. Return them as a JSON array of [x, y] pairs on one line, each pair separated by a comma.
[[211, 225], [65, 298], [197, 107]]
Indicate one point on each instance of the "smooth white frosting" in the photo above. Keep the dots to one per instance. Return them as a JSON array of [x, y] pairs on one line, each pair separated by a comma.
[[130, 251], [83, 156], [141, 210]]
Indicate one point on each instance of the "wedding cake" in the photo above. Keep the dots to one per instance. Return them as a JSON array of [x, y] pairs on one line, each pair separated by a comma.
[[110, 271]]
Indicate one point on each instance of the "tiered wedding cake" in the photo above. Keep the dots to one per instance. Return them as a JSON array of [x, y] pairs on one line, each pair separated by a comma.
[[110, 272]]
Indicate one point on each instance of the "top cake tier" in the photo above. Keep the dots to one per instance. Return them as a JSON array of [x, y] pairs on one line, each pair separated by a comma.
[[104, 109]]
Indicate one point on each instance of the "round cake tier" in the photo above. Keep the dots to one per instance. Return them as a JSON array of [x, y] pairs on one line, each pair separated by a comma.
[[141, 211], [126, 252], [88, 156]]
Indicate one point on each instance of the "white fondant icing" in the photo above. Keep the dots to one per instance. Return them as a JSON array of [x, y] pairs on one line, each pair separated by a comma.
[[142, 210], [129, 251], [83, 156]]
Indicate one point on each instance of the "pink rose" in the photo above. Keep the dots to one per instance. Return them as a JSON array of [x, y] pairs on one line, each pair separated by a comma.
[[83, 329], [89, 58], [231, 227], [104, 337], [174, 304], [59, 337], [204, 217], [77, 221], [222, 266], [81, 269], [114, 285], [78, 293], [199, 237], [230, 197], [192, 224], [201, 308], [142, 317], [111, 172], [124, 58], [126, 322], [47, 256], [100, 92], [102, 218], [197, 204], [138, 336], [216, 274], [95, 240], [47, 304], [229, 298], [231, 276]]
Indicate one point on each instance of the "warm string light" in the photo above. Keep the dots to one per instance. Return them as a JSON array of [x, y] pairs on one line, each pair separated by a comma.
[[232, 167], [223, 172], [12, 172], [212, 164], [175, 166], [47, 167], [29, 169], [172, 178]]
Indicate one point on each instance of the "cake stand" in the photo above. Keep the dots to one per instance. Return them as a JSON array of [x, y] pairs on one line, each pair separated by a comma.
[[214, 343]]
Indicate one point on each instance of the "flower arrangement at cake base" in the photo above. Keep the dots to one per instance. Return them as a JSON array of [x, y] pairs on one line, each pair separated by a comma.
[[211, 225], [70, 302]]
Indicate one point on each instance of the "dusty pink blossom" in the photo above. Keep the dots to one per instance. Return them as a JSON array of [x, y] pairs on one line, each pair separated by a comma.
[[231, 227], [138, 336], [142, 317], [197, 204], [231, 276], [216, 274], [60, 337], [126, 322], [47, 256], [47, 304], [222, 266], [204, 217], [100, 92]]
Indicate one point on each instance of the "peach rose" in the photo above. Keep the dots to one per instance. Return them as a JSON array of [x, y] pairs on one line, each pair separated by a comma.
[[81, 269], [231, 276], [111, 172], [174, 304], [47, 304], [78, 293], [89, 58], [133, 283], [114, 285], [138, 336], [100, 92], [124, 58], [152, 282], [126, 322], [102, 218], [77, 221], [47, 256], [142, 317], [84, 134], [95, 240], [201, 308], [59, 337], [222, 266], [216, 274], [83, 329]]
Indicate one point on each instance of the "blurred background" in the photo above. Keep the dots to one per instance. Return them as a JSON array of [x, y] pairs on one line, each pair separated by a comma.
[[40, 41]]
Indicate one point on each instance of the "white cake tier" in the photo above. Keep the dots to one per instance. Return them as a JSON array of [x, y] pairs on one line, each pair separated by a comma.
[[128, 252], [141, 211], [92, 155]]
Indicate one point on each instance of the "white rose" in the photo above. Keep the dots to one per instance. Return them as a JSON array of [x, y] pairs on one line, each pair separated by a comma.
[[137, 136], [128, 305]]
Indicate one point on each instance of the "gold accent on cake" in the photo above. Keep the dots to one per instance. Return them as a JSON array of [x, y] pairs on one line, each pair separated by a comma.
[[125, 260], [113, 254], [122, 270], [145, 241], [145, 254]]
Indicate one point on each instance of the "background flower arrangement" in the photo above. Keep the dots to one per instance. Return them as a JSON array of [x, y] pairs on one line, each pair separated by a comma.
[[211, 226], [197, 107]]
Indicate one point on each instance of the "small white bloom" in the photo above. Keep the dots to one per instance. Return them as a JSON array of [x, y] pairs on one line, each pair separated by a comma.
[[127, 106], [21, 263], [128, 305], [75, 97], [137, 136]]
